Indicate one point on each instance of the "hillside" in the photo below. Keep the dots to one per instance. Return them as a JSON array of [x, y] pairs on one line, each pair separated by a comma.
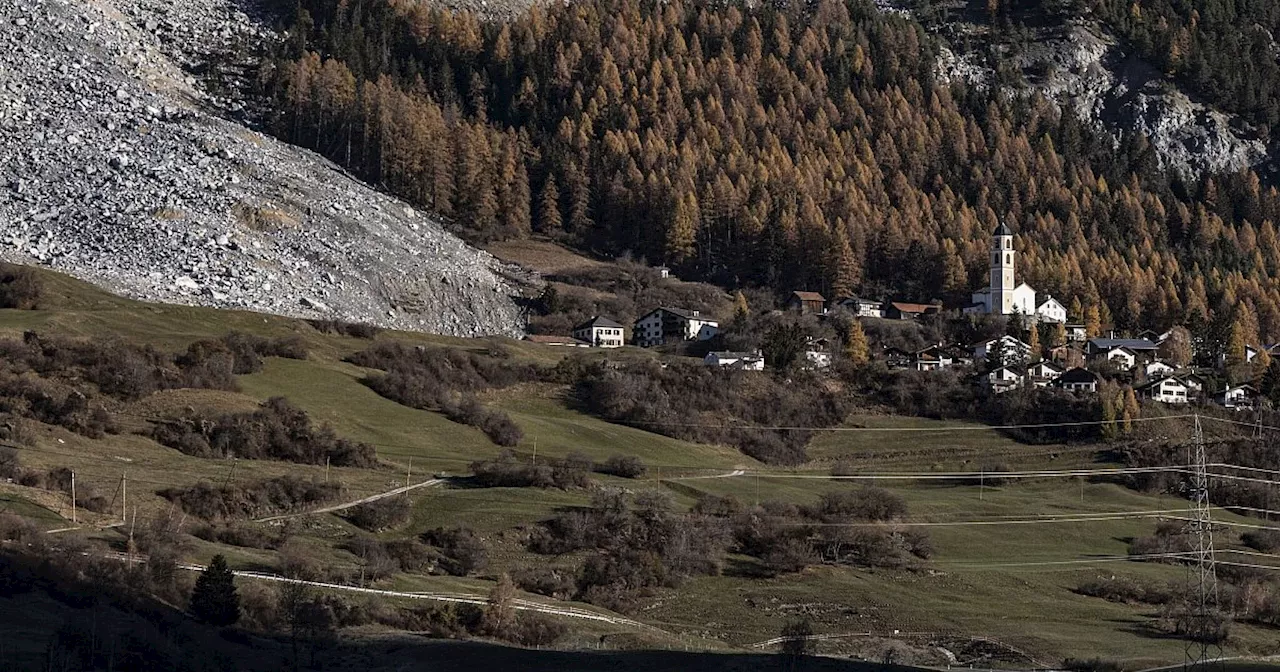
[[988, 590], [119, 166]]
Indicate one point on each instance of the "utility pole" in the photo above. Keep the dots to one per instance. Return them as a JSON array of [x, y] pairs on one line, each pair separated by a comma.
[[326, 470], [408, 474], [73, 499], [124, 498], [1203, 614]]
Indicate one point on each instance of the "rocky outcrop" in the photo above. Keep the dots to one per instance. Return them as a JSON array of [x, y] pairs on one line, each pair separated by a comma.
[[1081, 67], [114, 168]]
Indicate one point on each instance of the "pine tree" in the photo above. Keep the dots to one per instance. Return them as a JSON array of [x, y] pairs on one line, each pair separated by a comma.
[[1092, 321], [549, 220], [214, 599], [1132, 410], [856, 349], [1235, 351], [741, 311], [1035, 351], [682, 230]]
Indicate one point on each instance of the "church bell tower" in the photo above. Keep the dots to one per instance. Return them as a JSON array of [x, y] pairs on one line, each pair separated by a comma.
[[1002, 285]]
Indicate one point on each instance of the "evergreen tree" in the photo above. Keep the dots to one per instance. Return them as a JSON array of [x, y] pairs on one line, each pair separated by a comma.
[[1035, 352], [855, 345], [741, 311], [1132, 410], [549, 220], [214, 599]]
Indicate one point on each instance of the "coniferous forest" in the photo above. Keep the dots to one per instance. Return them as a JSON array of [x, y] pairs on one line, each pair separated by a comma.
[[790, 145]]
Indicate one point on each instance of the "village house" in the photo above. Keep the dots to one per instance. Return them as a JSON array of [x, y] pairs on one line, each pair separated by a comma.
[[898, 310], [1050, 310], [558, 341], [1043, 373], [1139, 346], [1069, 355], [817, 354], [931, 358], [1003, 379], [1237, 397], [1077, 333], [601, 332], [807, 303], [1168, 390], [959, 355], [671, 325], [862, 307], [1011, 350], [1078, 380], [897, 358], [743, 360], [664, 272], [1120, 355], [1157, 369]]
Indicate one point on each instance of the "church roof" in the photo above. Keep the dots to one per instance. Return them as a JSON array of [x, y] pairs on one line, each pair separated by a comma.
[[1003, 230]]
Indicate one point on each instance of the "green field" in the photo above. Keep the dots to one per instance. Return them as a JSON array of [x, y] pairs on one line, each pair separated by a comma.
[[994, 581]]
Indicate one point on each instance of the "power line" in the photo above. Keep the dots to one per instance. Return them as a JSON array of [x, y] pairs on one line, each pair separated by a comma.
[[956, 428]]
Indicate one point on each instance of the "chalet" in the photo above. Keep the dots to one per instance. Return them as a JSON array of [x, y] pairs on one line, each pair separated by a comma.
[[1168, 390], [1077, 333], [1069, 355], [1011, 350], [959, 355], [1003, 379], [1155, 370], [1043, 373], [664, 272], [817, 354], [862, 307], [742, 360], [601, 332], [1050, 310], [558, 341], [898, 310], [1194, 382], [671, 325], [1078, 380], [897, 358], [1120, 355], [1139, 346], [807, 303], [1237, 397], [931, 358]]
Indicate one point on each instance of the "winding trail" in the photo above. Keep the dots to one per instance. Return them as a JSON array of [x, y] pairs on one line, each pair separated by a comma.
[[346, 505], [728, 474]]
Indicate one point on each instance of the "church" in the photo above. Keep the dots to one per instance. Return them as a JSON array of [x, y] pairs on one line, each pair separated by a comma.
[[1002, 296]]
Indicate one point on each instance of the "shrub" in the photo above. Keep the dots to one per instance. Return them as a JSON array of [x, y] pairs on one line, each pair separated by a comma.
[[20, 288], [549, 581], [247, 500], [535, 629], [410, 554], [341, 328], [10, 465], [624, 466], [1266, 541], [238, 534], [277, 430], [495, 423], [867, 503], [1125, 589], [380, 514], [463, 552], [1091, 665]]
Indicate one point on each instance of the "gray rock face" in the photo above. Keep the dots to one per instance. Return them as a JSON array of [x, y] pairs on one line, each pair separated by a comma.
[[1118, 92], [112, 170]]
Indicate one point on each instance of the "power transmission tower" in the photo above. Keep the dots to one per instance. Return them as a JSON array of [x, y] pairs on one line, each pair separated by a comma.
[[1203, 615]]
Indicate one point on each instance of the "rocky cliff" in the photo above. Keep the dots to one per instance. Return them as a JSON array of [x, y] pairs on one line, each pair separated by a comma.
[[116, 166]]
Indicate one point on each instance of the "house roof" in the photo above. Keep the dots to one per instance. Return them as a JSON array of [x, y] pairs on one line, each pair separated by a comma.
[[1078, 375], [1047, 299], [1048, 364], [727, 354], [1244, 386], [1160, 380], [1134, 344], [808, 296], [678, 312], [598, 321], [547, 339], [914, 307]]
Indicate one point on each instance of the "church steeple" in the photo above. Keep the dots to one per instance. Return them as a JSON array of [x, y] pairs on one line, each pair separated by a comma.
[[1002, 284]]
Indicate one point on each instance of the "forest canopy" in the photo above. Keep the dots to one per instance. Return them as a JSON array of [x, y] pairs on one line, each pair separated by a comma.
[[789, 145]]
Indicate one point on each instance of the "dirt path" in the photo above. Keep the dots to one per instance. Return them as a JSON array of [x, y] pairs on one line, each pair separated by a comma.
[[346, 505]]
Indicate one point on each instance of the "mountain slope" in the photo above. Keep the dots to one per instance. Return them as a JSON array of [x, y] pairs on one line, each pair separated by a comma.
[[114, 169]]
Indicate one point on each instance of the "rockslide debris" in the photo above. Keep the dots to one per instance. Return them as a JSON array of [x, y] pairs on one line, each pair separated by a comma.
[[114, 169]]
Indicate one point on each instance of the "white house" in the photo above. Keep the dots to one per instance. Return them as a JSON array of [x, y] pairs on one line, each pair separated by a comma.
[[817, 358], [1050, 310], [1003, 296], [1194, 382], [1156, 370], [862, 307], [931, 358], [1236, 397], [1077, 333], [744, 360], [1078, 380], [1168, 390], [1004, 379], [663, 325], [1121, 355], [1011, 350], [601, 332], [1043, 372]]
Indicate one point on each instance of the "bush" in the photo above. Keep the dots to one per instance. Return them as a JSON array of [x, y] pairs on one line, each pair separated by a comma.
[[20, 288], [868, 503], [463, 552], [549, 581], [277, 430], [623, 466], [239, 534], [411, 555], [506, 471], [535, 629], [10, 465], [247, 500], [495, 423], [341, 328], [1125, 590], [380, 514], [1091, 665], [1266, 541]]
